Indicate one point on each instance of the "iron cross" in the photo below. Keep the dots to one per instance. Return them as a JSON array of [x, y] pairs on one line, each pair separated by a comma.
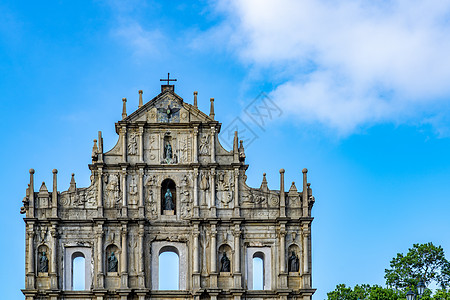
[[168, 79]]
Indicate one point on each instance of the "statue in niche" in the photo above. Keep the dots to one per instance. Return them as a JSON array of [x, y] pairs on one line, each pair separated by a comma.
[[43, 263], [132, 144], [225, 261], [204, 143], [168, 200], [168, 151], [112, 263], [293, 263]]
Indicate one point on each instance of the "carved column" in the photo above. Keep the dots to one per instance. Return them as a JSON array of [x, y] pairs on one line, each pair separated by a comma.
[[141, 271], [141, 144], [306, 274], [213, 144], [54, 195], [124, 192], [305, 193], [196, 258], [196, 206], [30, 212], [100, 272], [283, 274], [124, 258], [282, 195], [53, 272], [195, 144], [212, 201], [237, 256], [213, 273], [30, 257], [123, 131], [236, 192], [100, 193], [141, 193]]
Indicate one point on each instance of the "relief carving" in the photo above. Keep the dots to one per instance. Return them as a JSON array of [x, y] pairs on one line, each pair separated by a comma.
[[133, 190], [112, 191], [204, 145], [224, 188], [133, 144]]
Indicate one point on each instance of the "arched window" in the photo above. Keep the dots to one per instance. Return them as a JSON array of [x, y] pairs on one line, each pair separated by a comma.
[[258, 271], [169, 269], [168, 197], [78, 272]]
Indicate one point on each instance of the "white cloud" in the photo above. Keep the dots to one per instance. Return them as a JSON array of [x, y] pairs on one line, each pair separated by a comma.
[[382, 61]]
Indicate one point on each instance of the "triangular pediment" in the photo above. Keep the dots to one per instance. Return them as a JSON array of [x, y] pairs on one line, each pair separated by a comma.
[[167, 107]]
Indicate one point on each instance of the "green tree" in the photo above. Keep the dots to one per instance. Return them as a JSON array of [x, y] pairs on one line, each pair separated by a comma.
[[364, 291], [423, 261]]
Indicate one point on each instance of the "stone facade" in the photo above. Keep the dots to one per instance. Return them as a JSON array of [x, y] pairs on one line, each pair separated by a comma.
[[168, 185]]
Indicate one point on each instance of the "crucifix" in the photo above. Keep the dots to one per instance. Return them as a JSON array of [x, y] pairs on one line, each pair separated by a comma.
[[168, 79]]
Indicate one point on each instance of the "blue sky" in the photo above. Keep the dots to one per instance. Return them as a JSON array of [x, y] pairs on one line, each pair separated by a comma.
[[362, 91]]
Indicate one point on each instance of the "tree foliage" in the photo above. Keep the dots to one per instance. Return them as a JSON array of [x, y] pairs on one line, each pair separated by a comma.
[[364, 291], [423, 261]]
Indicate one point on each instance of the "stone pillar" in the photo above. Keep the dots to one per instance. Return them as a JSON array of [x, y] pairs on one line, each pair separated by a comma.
[[306, 272], [124, 258], [31, 195], [100, 259], [236, 193], [123, 132], [30, 258], [124, 192], [305, 193], [53, 267], [212, 201], [213, 144], [282, 195], [141, 193], [100, 193], [54, 195], [196, 206], [141, 144], [141, 263], [283, 284], [213, 271], [195, 144], [237, 256], [196, 258]]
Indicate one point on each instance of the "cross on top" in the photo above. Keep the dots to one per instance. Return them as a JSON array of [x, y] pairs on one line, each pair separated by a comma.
[[168, 79]]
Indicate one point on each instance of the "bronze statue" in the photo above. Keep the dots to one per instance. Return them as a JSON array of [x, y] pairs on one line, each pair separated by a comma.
[[293, 263], [168, 151], [43, 263], [168, 200], [225, 267], [112, 263]]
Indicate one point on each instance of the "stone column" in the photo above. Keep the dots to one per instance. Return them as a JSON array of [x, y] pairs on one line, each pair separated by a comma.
[[282, 195], [196, 258], [100, 193], [213, 144], [30, 257], [141, 263], [283, 284], [124, 258], [213, 271], [100, 272], [123, 131], [236, 193], [141, 193], [195, 144], [196, 206], [54, 195], [212, 201], [31, 195], [305, 193], [237, 256], [124, 192], [53, 272], [141, 144], [306, 272]]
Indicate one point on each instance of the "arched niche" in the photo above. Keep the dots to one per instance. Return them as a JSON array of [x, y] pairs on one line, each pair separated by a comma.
[[180, 249], [169, 268], [224, 259], [43, 259], [168, 197], [112, 260], [293, 259]]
